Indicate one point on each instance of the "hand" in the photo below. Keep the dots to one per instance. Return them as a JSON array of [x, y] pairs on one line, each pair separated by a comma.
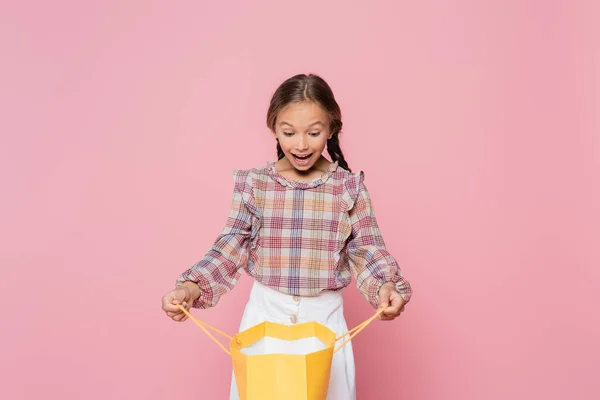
[[389, 296], [184, 295]]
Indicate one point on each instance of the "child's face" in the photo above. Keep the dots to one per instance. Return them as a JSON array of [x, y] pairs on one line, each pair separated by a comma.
[[302, 130]]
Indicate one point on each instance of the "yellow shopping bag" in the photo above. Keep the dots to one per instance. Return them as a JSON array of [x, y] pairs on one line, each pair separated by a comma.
[[284, 371]]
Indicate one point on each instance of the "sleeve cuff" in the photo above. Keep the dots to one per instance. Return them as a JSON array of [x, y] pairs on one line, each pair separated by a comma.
[[404, 288]]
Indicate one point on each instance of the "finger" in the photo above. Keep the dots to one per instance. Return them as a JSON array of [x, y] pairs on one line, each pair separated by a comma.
[[391, 312], [384, 297], [171, 308], [176, 310], [180, 302], [179, 318], [187, 306], [389, 317], [178, 297], [397, 303], [386, 317], [168, 305], [173, 314]]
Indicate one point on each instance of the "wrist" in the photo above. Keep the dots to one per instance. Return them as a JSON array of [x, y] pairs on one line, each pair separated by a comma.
[[390, 285], [192, 288]]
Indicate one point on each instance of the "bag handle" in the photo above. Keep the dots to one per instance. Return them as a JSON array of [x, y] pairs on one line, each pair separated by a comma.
[[352, 332], [356, 330], [204, 325]]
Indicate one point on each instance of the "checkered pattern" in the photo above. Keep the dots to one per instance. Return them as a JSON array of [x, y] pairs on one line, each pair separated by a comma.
[[300, 238]]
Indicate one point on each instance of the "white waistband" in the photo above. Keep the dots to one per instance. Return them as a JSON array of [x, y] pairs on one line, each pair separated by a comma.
[[280, 307]]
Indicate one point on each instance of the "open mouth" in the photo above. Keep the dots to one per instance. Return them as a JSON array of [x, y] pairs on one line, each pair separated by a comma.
[[306, 157], [302, 160]]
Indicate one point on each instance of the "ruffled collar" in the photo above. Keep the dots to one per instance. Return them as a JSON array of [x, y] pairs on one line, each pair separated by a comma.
[[301, 184]]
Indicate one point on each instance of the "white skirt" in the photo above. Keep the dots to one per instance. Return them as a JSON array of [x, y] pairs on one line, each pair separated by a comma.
[[266, 304]]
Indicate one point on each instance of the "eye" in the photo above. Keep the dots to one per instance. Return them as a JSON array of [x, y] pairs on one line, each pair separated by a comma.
[[288, 133], [315, 134]]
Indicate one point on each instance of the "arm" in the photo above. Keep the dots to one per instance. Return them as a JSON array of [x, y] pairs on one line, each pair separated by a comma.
[[219, 270], [371, 263]]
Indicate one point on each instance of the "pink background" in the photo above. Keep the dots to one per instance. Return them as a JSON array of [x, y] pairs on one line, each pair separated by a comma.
[[476, 123]]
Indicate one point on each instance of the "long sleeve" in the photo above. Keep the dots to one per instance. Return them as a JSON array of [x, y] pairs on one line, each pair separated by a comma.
[[371, 264], [220, 269]]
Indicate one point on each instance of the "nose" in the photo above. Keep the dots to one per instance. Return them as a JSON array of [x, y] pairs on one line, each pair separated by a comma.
[[302, 143]]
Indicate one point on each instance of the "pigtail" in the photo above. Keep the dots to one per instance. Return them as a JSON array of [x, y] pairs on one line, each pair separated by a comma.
[[280, 153], [335, 151]]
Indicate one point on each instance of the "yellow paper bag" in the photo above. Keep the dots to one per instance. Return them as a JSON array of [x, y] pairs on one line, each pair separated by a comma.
[[284, 371]]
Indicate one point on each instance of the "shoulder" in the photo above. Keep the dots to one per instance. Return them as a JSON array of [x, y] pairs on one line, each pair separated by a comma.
[[351, 181], [250, 177]]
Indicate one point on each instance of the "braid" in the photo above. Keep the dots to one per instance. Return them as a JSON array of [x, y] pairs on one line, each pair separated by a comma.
[[280, 153], [334, 150]]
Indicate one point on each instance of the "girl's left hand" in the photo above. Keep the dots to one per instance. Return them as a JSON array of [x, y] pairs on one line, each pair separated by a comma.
[[389, 296]]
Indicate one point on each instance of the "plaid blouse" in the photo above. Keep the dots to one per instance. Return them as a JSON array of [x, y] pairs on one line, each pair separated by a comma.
[[298, 237]]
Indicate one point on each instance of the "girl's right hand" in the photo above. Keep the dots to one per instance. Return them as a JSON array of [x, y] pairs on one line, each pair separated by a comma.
[[184, 295]]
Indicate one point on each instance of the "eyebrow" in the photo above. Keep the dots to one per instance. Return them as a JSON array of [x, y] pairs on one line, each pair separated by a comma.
[[313, 124]]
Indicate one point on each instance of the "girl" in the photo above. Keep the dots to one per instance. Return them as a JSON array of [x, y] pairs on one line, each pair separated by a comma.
[[301, 227]]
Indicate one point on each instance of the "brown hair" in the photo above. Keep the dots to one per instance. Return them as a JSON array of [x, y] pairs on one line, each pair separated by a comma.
[[309, 87]]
